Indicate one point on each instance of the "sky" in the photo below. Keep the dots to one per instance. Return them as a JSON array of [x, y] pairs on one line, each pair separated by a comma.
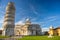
[[42, 12]]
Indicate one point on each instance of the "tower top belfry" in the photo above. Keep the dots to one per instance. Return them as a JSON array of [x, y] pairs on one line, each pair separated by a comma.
[[51, 27], [10, 3], [10, 6]]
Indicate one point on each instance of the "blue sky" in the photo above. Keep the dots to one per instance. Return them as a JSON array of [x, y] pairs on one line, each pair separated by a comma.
[[43, 12]]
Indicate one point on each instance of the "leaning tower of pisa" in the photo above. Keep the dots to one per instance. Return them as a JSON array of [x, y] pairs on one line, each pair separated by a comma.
[[9, 20]]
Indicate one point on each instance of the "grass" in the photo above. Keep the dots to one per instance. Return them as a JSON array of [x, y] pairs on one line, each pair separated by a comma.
[[35, 38], [39, 38], [3, 36]]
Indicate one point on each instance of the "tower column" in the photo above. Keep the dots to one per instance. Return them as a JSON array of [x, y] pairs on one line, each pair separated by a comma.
[[9, 20]]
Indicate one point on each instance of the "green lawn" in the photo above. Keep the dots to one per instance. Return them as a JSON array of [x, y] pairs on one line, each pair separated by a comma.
[[39, 38], [3, 36]]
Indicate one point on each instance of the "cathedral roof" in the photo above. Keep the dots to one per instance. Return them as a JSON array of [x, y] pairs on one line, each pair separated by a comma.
[[57, 28], [27, 19], [18, 25]]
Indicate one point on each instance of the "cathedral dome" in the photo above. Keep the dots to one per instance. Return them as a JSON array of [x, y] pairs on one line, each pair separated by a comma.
[[28, 21]]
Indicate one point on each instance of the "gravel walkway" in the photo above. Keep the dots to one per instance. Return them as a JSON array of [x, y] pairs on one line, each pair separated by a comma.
[[12, 38]]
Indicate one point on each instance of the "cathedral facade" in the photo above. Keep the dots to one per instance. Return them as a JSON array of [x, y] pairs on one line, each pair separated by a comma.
[[28, 29]]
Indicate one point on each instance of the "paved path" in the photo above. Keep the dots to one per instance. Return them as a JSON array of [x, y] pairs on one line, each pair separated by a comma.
[[11, 38]]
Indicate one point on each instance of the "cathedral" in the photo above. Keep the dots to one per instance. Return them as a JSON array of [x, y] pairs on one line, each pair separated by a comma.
[[28, 29], [10, 29]]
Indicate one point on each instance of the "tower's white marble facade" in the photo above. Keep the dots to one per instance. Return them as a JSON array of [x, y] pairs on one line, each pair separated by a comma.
[[8, 25]]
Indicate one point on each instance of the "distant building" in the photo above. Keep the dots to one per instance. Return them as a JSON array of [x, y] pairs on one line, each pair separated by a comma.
[[54, 31], [0, 32], [46, 33], [27, 29]]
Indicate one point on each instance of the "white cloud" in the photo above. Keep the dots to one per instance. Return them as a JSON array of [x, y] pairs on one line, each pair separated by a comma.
[[33, 9], [1, 22], [1, 28], [52, 20], [35, 12], [48, 20], [52, 17], [2, 12], [1, 19], [20, 22], [45, 29], [33, 19]]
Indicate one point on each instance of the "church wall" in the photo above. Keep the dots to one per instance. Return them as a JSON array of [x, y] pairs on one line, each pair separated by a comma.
[[58, 32], [51, 32], [55, 32]]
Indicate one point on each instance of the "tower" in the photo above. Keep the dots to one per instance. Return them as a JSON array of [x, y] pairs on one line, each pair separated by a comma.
[[8, 25]]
